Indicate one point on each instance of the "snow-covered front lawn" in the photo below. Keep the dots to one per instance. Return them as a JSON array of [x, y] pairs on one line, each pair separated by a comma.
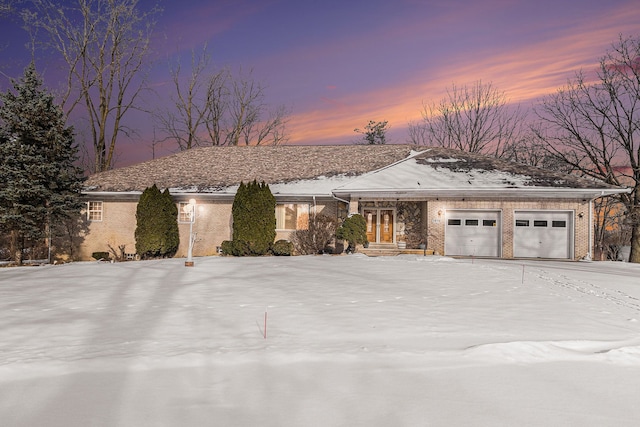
[[349, 341]]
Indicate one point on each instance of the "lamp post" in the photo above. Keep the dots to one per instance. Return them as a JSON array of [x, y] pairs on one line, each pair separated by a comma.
[[190, 210]]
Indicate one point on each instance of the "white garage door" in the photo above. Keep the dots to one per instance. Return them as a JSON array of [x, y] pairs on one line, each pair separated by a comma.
[[542, 234], [472, 233]]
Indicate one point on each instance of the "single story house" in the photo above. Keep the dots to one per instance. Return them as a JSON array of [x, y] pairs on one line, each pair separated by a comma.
[[455, 203]]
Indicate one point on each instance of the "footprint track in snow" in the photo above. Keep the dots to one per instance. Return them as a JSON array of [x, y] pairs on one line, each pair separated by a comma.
[[586, 288]]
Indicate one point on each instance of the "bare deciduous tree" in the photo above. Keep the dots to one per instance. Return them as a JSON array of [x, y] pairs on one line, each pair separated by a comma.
[[212, 107], [317, 237], [611, 230], [104, 45], [530, 150], [6, 6], [246, 122], [183, 122], [593, 124], [477, 119]]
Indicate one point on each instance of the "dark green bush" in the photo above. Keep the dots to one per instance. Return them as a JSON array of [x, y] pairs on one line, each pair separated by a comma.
[[157, 234], [282, 248], [254, 217], [100, 255], [225, 247], [353, 230], [235, 248]]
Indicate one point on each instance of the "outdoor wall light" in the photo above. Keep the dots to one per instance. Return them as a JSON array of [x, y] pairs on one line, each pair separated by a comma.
[[581, 214]]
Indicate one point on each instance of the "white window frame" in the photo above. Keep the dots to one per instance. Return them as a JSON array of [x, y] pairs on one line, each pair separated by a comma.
[[300, 208], [95, 210], [183, 216]]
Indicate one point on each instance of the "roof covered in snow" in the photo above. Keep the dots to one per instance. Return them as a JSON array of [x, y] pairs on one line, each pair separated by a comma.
[[445, 172], [343, 170]]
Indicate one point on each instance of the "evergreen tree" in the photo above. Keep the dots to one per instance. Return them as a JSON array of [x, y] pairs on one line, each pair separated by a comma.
[[374, 133], [40, 184], [354, 231], [156, 232], [254, 217]]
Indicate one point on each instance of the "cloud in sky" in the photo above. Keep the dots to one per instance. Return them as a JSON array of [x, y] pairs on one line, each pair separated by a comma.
[[526, 71], [338, 64]]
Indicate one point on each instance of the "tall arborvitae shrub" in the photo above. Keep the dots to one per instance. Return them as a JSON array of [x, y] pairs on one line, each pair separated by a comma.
[[171, 224], [254, 217], [157, 234]]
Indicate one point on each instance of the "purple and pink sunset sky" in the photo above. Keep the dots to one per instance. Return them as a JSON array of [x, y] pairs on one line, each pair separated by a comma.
[[336, 64]]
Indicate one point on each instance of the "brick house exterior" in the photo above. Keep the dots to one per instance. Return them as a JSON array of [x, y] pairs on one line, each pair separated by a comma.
[[454, 203]]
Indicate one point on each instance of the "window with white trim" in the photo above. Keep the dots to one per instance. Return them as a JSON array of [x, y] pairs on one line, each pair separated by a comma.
[[184, 210], [94, 211], [292, 216]]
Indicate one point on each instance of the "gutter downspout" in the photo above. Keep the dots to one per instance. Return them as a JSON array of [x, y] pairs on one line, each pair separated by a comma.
[[339, 199], [343, 201]]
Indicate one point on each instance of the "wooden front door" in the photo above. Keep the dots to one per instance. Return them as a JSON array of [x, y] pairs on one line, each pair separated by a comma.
[[371, 216], [380, 225], [386, 226]]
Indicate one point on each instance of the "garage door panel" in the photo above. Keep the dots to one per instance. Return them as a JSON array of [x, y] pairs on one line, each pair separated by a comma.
[[542, 235], [472, 233]]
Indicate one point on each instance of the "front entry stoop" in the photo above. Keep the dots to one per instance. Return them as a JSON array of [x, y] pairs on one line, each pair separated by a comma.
[[391, 250]]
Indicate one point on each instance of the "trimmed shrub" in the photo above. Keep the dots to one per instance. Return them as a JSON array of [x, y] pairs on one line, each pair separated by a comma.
[[314, 240], [101, 255], [254, 217], [157, 234], [354, 231], [282, 248], [225, 247], [235, 248]]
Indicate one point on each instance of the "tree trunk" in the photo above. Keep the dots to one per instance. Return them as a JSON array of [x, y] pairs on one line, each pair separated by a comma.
[[635, 236], [17, 246]]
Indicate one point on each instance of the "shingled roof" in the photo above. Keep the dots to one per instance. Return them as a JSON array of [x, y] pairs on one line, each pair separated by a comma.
[[214, 168], [444, 172], [464, 162], [211, 168]]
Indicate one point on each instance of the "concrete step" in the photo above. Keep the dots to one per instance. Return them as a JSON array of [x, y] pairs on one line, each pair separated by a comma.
[[393, 251]]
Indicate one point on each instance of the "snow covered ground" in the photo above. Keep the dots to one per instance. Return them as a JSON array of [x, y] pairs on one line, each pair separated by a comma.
[[350, 341]]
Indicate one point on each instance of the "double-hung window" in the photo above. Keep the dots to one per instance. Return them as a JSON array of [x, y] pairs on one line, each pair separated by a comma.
[[292, 216], [185, 211], [94, 211]]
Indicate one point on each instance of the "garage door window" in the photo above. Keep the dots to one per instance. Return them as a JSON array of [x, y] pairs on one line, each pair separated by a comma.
[[559, 224], [522, 222], [539, 223], [489, 223], [472, 222], [454, 222]]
